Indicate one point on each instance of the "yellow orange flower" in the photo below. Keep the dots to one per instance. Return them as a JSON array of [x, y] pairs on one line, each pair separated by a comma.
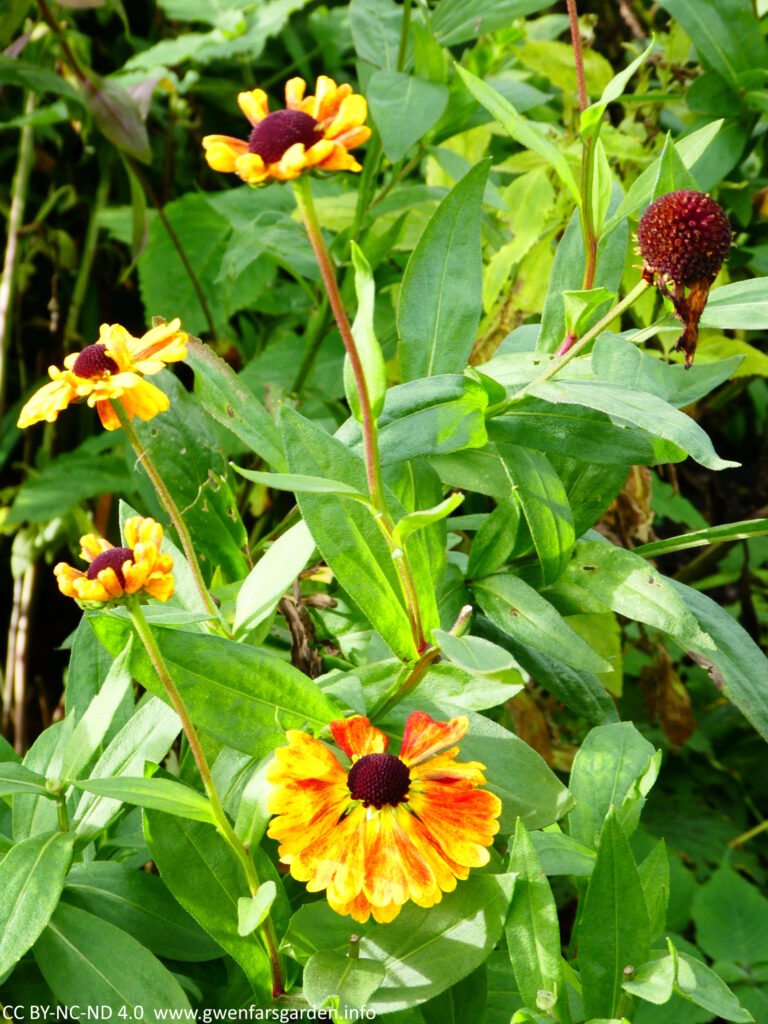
[[311, 132], [116, 572], [387, 829], [112, 368]]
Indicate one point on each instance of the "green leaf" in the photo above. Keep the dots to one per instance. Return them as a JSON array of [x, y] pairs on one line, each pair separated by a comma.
[[252, 911], [117, 116], [532, 929], [87, 961], [423, 953], [702, 538], [441, 294], [462, 1002], [437, 414], [591, 118], [560, 854], [67, 480], [521, 130], [34, 813], [614, 767], [238, 693], [207, 879], [545, 506], [690, 149], [146, 737], [223, 396], [369, 350], [329, 973], [653, 981], [735, 663], [297, 483], [703, 987], [404, 108], [672, 173], [728, 39], [419, 520], [90, 731], [582, 433], [36, 77], [614, 931], [375, 26], [623, 581], [140, 904], [517, 609], [654, 876], [272, 575], [580, 304], [31, 879], [473, 653], [741, 305], [731, 918], [160, 794], [346, 534], [15, 778], [495, 539], [456, 21], [638, 408]]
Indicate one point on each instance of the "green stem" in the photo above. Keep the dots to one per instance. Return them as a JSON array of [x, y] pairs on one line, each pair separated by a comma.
[[303, 192], [61, 813], [580, 345], [169, 504], [400, 690], [223, 825], [89, 250], [15, 218], [405, 26], [313, 339]]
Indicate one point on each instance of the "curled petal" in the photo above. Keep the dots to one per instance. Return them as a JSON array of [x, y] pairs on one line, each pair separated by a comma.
[[250, 167], [254, 105], [66, 576], [352, 113], [357, 737], [424, 737], [294, 93], [222, 152], [160, 587], [354, 137], [107, 415], [46, 403], [291, 163], [92, 545]]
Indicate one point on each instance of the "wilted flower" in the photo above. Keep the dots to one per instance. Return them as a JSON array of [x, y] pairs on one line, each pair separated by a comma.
[[116, 572], [387, 829], [311, 132], [113, 368], [684, 237]]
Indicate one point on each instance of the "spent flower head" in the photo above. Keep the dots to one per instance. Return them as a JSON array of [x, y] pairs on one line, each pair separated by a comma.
[[114, 573], [684, 237], [113, 368], [312, 132], [388, 828]]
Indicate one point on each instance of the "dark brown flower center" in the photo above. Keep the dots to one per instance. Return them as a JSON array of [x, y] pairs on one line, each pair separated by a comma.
[[685, 235], [112, 558], [271, 137], [379, 779], [93, 362]]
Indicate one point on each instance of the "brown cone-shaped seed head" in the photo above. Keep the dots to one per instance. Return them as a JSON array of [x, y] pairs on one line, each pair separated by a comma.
[[379, 779], [93, 362], [112, 558], [279, 131], [684, 235]]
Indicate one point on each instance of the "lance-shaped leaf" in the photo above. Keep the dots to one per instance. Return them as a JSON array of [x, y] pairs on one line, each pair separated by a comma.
[[368, 348]]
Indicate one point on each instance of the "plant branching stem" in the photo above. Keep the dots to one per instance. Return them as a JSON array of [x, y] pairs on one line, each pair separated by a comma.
[[303, 192], [169, 504], [223, 825], [193, 279], [15, 219], [579, 346], [573, 17]]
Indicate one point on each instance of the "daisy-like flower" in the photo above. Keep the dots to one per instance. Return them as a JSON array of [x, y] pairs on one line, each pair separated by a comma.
[[113, 368], [387, 829], [312, 131], [117, 572]]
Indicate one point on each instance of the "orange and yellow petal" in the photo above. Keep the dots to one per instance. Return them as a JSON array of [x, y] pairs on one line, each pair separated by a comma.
[[443, 768], [144, 400], [135, 574], [91, 546], [294, 93], [161, 587], [317, 153], [354, 137], [305, 758], [251, 168], [160, 345], [424, 737], [254, 105], [46, 403], [142, 530], [107, 415], [65, 578], [461, 823], [339, 160], [222, 152], [351, 114], [357, 737], [291, 163]]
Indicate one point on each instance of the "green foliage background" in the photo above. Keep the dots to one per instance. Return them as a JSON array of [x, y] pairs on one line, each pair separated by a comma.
[[465, 213]]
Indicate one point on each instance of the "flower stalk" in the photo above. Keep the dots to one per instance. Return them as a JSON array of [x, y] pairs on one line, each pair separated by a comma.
[[169, 504], [303, 192], [268, 933]]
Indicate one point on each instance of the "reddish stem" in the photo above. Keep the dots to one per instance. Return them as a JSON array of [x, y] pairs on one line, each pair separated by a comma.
[[573, 16]]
